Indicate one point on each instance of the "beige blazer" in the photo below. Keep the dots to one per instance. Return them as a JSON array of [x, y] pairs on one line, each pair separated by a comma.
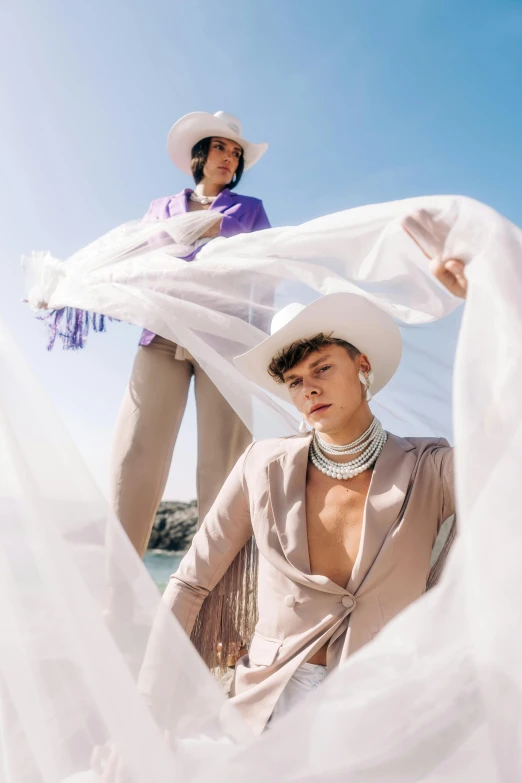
[[411, 494]]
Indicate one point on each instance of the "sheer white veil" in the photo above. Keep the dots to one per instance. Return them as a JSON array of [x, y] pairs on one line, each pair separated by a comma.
[[436, 696], [222, 303]]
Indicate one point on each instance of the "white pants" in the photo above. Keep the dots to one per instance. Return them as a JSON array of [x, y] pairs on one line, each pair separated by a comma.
[[306, 678]]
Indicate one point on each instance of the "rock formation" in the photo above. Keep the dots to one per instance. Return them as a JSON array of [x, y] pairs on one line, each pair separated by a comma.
[[174, 526]]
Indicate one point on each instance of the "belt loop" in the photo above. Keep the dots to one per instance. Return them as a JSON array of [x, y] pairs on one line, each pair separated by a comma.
[[181, 353]]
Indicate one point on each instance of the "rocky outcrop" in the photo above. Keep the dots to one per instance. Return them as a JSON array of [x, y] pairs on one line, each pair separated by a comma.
[[174, 526]]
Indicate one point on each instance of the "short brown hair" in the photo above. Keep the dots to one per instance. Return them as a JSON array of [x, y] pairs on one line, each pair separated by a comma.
[[199, 157], [301, 349]]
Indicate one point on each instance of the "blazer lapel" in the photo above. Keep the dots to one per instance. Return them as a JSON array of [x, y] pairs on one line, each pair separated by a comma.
[[386, 497], [287, 491], [223, 200], [179, 203], [287, 508]]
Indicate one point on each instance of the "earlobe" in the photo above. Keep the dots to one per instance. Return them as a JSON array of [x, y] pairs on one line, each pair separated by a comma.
[[364, 365]]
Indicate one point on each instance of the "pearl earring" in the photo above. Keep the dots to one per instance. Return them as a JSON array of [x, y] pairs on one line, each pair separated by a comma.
[[303, 428], [366, 381]]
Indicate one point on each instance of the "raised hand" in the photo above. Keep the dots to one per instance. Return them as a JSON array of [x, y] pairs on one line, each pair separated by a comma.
[[452, 275], [430, 236]]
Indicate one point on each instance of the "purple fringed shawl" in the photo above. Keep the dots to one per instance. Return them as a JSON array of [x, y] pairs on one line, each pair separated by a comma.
[[72, 326]]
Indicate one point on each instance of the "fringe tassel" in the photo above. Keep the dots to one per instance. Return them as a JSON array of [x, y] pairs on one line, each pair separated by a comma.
[[72, 326], [229, 613]]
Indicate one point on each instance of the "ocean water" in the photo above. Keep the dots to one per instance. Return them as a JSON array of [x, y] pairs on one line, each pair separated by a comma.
[[161, 565]]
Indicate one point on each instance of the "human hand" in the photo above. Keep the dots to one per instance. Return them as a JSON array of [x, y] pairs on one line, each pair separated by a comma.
[[452, 275], [235, 652], [430, 237], [107, 765]]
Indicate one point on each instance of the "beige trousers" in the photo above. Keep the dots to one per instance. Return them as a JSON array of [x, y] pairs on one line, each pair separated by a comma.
[[146, 432]]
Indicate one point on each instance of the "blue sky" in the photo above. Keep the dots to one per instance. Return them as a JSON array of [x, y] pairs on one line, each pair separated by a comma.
[[360, 102]]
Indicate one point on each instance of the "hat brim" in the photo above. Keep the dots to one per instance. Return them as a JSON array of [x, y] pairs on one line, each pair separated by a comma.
[[350, 317], [199, 125]]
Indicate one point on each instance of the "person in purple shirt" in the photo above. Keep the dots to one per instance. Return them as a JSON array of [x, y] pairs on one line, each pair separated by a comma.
[[211, 149]]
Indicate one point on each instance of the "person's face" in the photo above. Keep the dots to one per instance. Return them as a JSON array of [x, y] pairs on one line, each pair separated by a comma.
[[222, 161], [325, 387]]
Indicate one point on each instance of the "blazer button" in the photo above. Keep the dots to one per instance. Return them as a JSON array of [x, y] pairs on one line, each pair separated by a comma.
[[289, 601], [348, 602]]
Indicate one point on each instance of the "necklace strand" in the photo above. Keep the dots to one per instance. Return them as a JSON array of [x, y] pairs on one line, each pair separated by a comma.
[[370, 444], [350, 448], [202, 199]]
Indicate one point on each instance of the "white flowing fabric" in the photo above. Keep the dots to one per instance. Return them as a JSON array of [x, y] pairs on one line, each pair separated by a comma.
[[437, 696], [222, 303]]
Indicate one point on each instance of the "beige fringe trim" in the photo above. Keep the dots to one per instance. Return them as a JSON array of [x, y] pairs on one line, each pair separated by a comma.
[[229, 613]]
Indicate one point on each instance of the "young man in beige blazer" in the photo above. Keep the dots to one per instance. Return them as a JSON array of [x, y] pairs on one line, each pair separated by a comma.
[[344, 532]]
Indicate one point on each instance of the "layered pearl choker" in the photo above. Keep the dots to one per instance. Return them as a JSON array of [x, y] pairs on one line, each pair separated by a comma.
[[370, 444], [202, 199]]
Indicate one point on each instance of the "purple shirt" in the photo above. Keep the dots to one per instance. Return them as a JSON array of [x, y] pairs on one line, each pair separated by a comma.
[[241, 215]]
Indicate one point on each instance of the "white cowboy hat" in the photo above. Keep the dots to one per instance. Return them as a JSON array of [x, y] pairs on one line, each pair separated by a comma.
[[350, 317], [199, 125]]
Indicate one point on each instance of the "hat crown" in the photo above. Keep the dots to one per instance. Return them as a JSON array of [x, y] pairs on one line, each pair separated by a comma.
[[354, 317], [284, 316], [233, 122], [198, 125]]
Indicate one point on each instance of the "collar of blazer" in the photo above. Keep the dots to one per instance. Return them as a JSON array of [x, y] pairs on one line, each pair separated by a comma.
[[386, 498]]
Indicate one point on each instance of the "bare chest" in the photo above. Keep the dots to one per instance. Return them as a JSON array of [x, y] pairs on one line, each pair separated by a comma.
[[334, 519]]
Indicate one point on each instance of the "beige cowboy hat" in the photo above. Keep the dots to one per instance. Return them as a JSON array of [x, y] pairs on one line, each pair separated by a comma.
[[199, 125], [350, 317]]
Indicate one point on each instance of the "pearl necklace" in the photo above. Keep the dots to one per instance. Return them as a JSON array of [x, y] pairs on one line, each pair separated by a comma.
[[202, 199], [370, 444]]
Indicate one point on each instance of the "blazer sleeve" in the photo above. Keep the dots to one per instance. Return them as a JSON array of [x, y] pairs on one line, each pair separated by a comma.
[[225, 530], [253, 220], [444, 464], [261, 222]]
